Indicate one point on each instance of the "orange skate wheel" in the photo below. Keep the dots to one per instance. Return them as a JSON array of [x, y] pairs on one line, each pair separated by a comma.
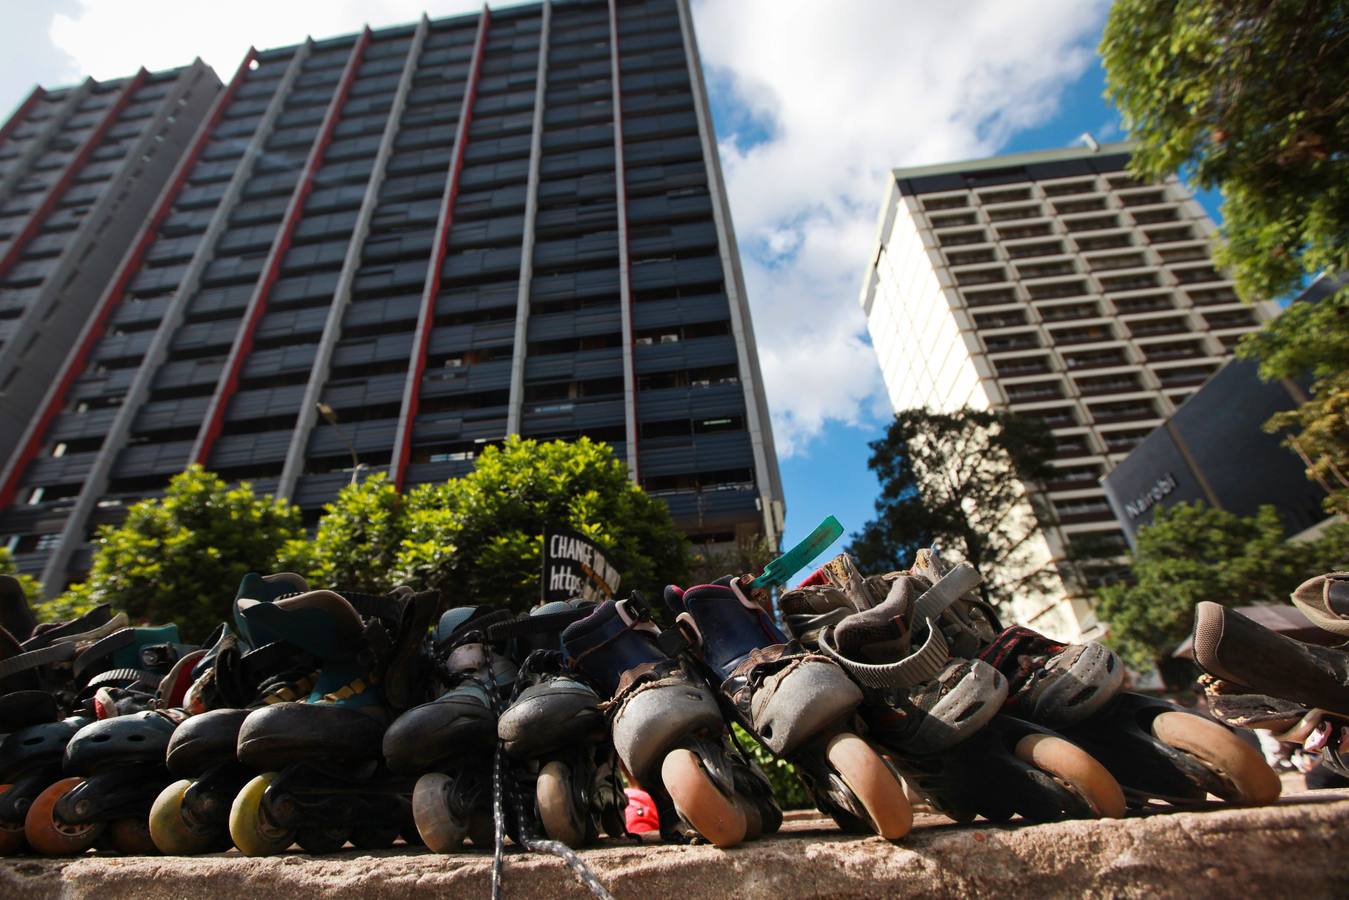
[[1075, 769], [873, 783], [701, 803], [1239, 765], [48, 836]]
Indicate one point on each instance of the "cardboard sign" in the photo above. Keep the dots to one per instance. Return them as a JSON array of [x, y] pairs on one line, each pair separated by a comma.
[[575, 567]]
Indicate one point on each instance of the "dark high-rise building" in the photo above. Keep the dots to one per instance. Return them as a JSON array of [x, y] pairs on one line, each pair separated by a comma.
[[79, 169], [448, 232]]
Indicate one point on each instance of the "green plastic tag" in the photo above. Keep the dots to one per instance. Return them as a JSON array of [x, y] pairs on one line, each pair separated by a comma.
[[780, 570]]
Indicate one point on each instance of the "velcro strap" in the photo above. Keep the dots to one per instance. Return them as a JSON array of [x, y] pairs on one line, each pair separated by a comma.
[[548, 623], [924, 665], [23, 662]]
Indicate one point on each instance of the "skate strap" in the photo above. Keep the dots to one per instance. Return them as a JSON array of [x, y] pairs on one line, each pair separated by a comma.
[[68, 634], [948, 589], [526, 626], [924, 665], [123, 678], [24, 662]]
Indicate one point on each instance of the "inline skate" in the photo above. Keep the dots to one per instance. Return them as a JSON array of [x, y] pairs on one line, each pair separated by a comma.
[[323, 781], [1155, 749], [448, 744], [554, 732], [934, 706], [233, 678], [669, 731]]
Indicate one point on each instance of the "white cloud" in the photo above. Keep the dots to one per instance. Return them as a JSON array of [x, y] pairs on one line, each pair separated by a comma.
[[845, 92]]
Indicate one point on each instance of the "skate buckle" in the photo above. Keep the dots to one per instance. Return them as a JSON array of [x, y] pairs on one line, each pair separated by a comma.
[[779, 571], [673, 642]]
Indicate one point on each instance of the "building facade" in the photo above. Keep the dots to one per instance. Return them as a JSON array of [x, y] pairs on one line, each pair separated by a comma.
[[449, 232], [79, 169], [1055, 285]]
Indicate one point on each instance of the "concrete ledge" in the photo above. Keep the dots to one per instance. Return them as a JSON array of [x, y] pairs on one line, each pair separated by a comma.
[[1298, 847]]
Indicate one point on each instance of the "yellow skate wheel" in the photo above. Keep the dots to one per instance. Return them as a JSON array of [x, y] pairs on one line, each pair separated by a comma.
[[250, 829], [440, 830], [873, 783], [1240, 766], [173, 834], [1075, 769], [700, 802], [51, 837], [557, 812]]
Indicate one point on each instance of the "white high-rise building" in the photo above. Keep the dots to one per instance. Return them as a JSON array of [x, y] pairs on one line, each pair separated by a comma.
[[1052, 284]]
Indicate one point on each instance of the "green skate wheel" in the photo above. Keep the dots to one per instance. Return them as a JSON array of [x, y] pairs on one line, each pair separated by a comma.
[[557, 812], [250, 829], [1075, 769], [51, 837], [171, 832], [872, 783], [438, 827], [700, 802], [1241, 767]]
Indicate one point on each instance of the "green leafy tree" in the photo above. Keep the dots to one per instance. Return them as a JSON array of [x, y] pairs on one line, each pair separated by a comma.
[[959, 480], [1191, 553], [357, 541], [1252, 97], [178, 558], [479, 538]]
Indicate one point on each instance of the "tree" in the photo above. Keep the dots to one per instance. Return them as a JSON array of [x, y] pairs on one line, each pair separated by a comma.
[[178, 558], [479, 538], [1191, 553], [1252, 97], [358, 539], [959, 480]]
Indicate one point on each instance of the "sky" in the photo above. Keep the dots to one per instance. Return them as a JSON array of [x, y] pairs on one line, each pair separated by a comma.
[[813, 103]]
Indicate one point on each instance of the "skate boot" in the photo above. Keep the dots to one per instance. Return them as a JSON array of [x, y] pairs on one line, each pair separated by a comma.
[[114, 766], [1153, 748], [447, 745], [936, 712], [1267, 680], [554, 731], [800, 705], [669, 731], [323, 780]]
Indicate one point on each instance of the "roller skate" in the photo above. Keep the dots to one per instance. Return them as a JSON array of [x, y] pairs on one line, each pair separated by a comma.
[[447, 745], [554, 731], [669, 731], [232, 679], [935, 707], [1155, 749], [323, 780], [1261, 679], [114, 766]]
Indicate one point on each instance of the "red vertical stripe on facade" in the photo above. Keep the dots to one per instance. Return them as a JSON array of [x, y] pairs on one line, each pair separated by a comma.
[[418, 362], [43, 209], [36, 94], [130, 264], [272, 268]]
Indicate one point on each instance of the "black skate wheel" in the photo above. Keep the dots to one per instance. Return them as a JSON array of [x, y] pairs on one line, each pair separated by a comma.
[[51, 837], [321, 841], [171, 832], [11, 833], [1241, 767], [374, 837], [873, 783], [250, 828], [1075, 769], [700, 802], [557, 811], [438, 827]]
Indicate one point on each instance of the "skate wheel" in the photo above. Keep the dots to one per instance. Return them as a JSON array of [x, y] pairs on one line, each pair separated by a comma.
[[482, 831], [48, 836], [872, 783], [1076, 770], [374, 837], [11, 833], [1239, 765], [557, 812], [439, 829], [700, 802], [171, 832], [132, 837], [250, 829], [321, 841]]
